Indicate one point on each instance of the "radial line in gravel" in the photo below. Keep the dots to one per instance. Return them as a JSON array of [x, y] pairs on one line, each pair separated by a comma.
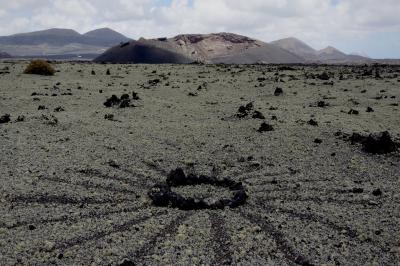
[[290, 253], [80, 240], [222, 240], [139, 254], [73, 219], [49, 199]]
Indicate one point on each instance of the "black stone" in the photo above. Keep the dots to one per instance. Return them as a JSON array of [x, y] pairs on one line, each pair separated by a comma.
[[353, 112], [369, 110], [278, 91], [322, 104], [312, 122], [113, 100], [265, 127], [5, 119], [258, 115], [125, 103], [318, 141], [377, 192], [357, 190]]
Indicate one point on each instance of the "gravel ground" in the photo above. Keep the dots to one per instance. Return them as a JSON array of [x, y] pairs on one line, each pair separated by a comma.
[[75, 174]]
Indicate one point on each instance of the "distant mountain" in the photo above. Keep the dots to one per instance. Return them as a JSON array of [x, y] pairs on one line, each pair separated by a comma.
[[60, 41], [328, 55], [106, 36], [4, 55], [297, 47], [208, 48], [331, 53]]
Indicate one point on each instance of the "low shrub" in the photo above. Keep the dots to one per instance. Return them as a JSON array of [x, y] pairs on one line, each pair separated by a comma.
[[40, 67]]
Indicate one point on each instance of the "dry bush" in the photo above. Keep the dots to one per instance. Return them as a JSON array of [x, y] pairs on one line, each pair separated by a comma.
[[39, 67]]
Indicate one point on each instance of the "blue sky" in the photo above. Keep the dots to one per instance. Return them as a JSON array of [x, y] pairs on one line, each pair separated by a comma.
[[364, 26]]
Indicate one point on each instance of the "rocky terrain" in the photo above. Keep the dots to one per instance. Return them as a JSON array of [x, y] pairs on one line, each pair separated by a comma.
[[200, 165]]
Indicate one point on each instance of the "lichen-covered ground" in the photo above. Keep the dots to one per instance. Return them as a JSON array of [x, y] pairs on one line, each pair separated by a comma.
[[74, 184]]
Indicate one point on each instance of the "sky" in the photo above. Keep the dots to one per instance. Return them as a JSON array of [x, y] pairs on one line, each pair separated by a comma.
[[368, 27]]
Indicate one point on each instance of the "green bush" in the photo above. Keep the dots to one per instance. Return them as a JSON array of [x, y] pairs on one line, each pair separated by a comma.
[[39, 67]]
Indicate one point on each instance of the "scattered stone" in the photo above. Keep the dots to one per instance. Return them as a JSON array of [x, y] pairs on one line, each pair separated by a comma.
[[278, 91], [369, 110], [265, 128], [109, 117], [135, 96], [318, 141], [31, 227], [357, 190], [20, 118], [5, 119], [154, 82], [124, 97], [258, 115], [247, 110], [353, 112], [93, 72], [113, 164], [59, 109], [50, 120], [108, 72], [244, 111], [377, 192], [312, 122], [123, 102], [42, 107]]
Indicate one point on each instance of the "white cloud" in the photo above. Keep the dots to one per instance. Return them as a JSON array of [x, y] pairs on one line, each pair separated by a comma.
[[319, 22]]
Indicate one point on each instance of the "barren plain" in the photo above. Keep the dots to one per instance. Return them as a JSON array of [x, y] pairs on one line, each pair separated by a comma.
[[75, 174]]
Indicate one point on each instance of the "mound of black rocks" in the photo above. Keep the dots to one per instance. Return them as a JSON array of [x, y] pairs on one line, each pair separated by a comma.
[[377, 143], [123, 102], [162, 195], [248, 111]]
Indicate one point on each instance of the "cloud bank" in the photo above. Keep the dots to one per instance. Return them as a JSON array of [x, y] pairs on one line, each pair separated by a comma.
[[368, 26]]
